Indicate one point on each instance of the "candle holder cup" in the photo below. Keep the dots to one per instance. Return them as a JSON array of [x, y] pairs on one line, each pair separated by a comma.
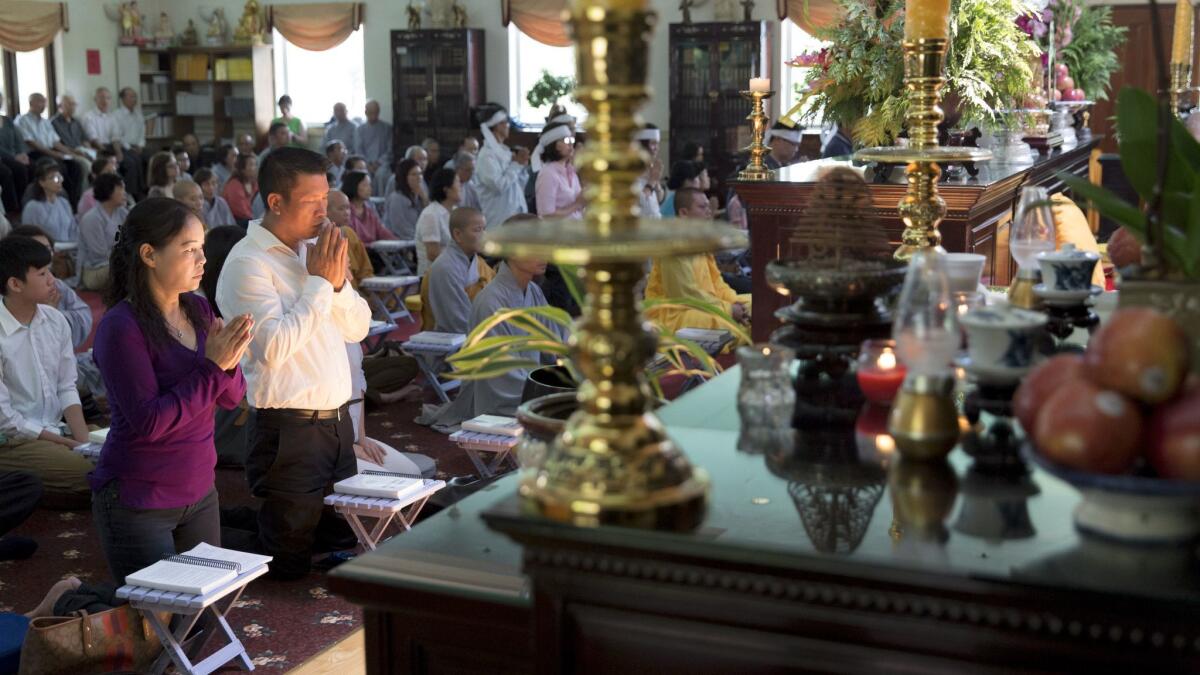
[[756, 169], [922, 209], [924, 418]]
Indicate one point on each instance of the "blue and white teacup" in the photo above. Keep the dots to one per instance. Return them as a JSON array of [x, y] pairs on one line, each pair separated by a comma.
[[1068, 269], [1003, 337]]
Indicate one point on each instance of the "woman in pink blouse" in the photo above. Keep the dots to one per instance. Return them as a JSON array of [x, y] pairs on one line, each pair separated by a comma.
[[559, 194], [365, 222], [241, 187]]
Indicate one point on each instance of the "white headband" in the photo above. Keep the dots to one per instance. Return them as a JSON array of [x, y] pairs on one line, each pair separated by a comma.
[[549, 138], [789, 135], [563, 118], [648, 135], [499, 116]]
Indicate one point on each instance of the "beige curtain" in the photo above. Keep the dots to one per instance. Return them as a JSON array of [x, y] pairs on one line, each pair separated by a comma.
[[26, 26], [316, 27], [541, 20], [811, 15]]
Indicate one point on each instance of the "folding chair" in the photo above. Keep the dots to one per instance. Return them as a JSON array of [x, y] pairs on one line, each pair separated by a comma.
[[499, 446], [430, 358], [384, 511], [391, 252], [386, 294], [190, 608]]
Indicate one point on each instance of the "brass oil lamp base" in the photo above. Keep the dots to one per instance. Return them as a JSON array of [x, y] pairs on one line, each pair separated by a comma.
[[1020, 292], [924, 418], [756, 169], [613, 463], [922, 209], [1181, 86]]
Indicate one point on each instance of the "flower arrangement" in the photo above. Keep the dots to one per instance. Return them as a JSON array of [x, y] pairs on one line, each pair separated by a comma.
[[1084, 43], [858, 80]]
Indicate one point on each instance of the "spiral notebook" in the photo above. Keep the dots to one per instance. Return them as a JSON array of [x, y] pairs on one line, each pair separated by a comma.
[[384, 484], [199, 571]]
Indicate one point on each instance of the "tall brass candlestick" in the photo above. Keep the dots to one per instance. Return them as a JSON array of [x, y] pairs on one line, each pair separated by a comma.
[[613, 462], [922, 208], [1181, 86], [756, 169]]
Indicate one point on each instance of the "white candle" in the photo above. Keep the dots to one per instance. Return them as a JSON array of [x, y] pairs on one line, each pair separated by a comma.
[[760, 84]]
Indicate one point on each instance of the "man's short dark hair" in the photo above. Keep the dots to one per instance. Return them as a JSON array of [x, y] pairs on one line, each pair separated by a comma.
[[276, 126], [686, 198], [18, 255], [283, 167], [31, 231], [105, 185], [353, 159], [461, 217], [202, 176], [443, 180]]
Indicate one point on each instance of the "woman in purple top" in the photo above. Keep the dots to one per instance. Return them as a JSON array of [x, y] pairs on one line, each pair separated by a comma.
[[166, 363]]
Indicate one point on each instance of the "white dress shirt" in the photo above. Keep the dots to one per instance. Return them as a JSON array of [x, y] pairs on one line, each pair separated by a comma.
[[499, 183], [301, 326], [37, 373], [131, 127], [38, 129], [101, 127]]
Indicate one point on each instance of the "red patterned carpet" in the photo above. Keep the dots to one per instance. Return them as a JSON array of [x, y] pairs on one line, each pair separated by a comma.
[[281, 624]]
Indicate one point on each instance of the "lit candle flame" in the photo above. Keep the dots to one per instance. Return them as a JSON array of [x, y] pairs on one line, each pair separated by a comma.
[[885, 443], [887, 361]]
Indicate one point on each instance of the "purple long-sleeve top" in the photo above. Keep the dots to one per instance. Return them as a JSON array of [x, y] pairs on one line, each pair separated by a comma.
[[162, 400]]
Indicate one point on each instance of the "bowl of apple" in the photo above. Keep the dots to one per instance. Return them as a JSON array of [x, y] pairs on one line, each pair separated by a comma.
[[1121, 424]]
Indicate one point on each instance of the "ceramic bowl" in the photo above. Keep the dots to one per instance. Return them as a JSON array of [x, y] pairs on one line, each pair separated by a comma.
[[1068, 269], [964, 271], [1002, 336]]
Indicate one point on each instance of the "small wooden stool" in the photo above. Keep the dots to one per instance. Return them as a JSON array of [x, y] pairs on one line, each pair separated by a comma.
[[429, 357], [385, 295], [474, 443], [191, 608], [391, 252], [385, 511]]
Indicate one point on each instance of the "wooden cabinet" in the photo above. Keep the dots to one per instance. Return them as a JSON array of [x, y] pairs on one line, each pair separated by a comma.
[[437, 77], [710, 64]]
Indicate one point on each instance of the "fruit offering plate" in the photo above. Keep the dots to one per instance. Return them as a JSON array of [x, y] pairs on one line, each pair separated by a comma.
[[1130, 508]]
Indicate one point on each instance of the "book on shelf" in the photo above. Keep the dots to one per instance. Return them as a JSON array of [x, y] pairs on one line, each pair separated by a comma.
[[382, 484], [497, 425], [199, 571], [429, 337]]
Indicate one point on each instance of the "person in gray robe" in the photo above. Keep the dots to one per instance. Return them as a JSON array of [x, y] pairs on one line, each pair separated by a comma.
[[513, 287], [340, 128], [454, 270], [373, 140]]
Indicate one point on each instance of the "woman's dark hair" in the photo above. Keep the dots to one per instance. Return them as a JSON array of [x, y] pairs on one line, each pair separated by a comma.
[[354, 159], [692, 150], [683, 170], [285, 100], [240, 167], [154, 221], [550, 153], [350, 183], [43, 168], [646, 144], [223, 152], [217, 244], [99, 165], [485, 111], [105, 185], [403, 168], [158, 168], [202, 176], [442, 181]]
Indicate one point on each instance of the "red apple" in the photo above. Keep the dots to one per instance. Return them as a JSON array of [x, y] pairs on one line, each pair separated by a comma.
[[1057, 95], [1060, 70], [1088, 428], [1174, 438], [1139, 352], [1074, 94], [1065, 83], [1046, 379]]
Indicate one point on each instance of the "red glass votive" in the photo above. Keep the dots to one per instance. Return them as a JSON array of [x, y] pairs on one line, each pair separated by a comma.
[[880, 372]]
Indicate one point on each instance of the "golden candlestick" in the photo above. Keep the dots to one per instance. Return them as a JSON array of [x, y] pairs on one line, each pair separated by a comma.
[[1181, 85], [924, 418], [922, 208], [613, 463], [756, 169]]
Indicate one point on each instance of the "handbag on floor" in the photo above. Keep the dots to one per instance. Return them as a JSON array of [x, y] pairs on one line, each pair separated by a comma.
[[115, 639]]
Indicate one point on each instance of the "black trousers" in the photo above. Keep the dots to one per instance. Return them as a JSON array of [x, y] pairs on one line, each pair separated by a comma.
[[19, 495], [293, 463], [72, 176], [14, 178], [134, 538]]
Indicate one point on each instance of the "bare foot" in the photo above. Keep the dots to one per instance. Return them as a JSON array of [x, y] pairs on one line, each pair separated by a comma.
[[46, 606], [411, 392]]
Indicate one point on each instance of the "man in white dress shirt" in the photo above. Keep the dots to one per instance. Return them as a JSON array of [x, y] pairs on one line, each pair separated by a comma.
[[43, 141], [131, 136], [100, 123], [304, 312]]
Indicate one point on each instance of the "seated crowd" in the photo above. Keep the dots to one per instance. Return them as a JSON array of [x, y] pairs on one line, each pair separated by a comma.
[[229, 278]]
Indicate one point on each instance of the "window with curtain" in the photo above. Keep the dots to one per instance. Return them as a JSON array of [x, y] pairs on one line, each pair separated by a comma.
[[794, 41], [31, 76], [318, 80], [527, 58]]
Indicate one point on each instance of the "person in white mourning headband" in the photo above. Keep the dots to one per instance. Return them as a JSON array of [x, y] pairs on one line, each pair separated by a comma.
[[784, 143], [500, 173], [557, 189], [649, 185]]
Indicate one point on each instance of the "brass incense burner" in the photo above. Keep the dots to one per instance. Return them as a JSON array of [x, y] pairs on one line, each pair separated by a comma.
[[613, 463]]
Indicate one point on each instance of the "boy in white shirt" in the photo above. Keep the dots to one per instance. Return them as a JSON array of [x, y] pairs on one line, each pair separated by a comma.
[[40, 414]]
